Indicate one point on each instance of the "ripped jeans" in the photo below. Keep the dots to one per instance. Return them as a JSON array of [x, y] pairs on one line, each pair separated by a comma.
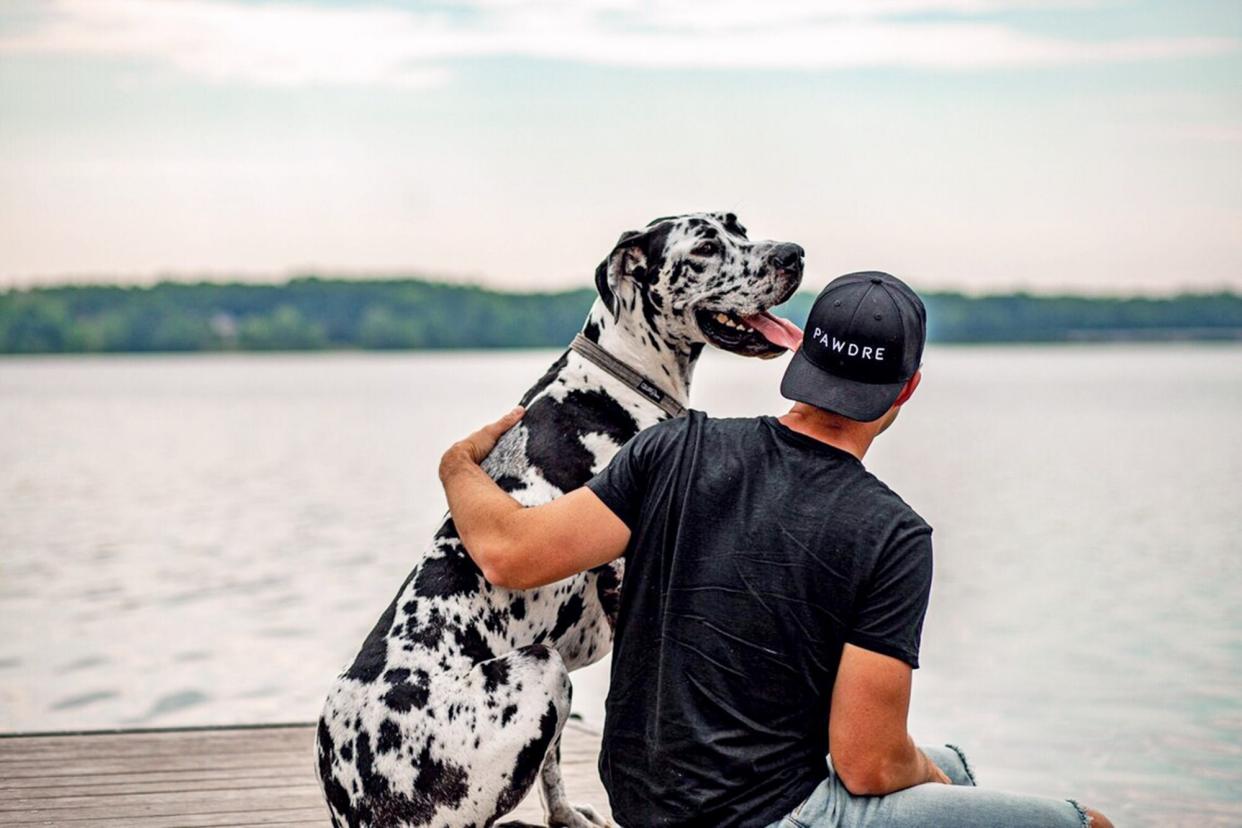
[[961, 804]]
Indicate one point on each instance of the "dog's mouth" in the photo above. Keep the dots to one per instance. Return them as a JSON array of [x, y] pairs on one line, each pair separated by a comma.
[[762, 334]]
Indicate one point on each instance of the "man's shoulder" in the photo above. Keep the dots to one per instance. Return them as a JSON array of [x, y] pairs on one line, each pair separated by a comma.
[[665, 429], [895, 507], [660, 437]]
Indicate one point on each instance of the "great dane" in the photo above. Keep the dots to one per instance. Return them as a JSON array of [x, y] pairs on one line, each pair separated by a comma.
[[456, 701]]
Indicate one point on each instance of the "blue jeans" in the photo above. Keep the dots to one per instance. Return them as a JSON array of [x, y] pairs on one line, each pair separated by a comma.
[[960, 805]]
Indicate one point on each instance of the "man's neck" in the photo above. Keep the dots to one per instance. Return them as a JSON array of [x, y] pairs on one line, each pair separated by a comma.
[[848, 435], [628, 337]]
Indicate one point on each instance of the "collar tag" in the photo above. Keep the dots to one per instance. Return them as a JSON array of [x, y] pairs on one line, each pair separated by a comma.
[[650, 390]]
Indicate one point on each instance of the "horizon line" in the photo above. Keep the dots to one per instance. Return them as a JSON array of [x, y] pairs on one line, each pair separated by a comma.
[[10, 285]]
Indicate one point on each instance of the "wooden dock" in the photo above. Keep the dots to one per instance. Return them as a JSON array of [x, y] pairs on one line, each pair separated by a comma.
[[244, 776]]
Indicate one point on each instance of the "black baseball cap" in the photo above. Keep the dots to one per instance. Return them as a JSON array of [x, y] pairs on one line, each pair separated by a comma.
[[862, 342]]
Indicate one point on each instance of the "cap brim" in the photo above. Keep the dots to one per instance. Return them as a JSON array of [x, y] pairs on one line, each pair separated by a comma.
[[862, 401]]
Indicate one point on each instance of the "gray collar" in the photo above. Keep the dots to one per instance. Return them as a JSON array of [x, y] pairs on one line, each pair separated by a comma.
[[592, 352]]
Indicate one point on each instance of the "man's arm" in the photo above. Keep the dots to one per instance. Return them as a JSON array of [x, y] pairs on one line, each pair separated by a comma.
[[871, 751], [517, 547]]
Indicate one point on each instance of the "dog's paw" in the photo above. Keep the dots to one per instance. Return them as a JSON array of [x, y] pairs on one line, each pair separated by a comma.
[[580, 816]]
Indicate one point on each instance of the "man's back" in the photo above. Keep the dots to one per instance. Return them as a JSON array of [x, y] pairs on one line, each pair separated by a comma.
[[756, 553]]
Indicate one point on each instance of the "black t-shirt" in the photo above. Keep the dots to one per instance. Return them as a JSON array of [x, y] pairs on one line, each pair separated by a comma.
[[756, 554]]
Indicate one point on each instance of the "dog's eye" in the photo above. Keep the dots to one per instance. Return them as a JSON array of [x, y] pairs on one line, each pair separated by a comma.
[[707, 248]]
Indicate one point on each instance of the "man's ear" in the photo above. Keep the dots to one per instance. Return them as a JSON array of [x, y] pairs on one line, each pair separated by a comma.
[[628, 259], [908, 391]]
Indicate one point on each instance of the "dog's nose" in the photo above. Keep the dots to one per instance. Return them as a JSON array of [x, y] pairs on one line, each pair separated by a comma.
[[788, 256]]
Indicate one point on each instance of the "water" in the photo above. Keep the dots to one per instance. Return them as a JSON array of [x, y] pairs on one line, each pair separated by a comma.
[[207, 539]]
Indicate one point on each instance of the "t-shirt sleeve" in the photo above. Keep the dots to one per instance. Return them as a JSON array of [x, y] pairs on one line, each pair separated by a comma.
[[623, 483], [889, 619]]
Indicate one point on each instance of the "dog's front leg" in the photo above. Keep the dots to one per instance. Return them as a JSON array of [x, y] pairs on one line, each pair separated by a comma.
[[556, 805]]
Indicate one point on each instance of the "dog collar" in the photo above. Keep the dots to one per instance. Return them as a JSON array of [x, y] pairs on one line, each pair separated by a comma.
[[593, 353]]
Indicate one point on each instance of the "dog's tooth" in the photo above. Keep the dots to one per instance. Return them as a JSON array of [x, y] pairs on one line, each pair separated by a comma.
[[720, 317]]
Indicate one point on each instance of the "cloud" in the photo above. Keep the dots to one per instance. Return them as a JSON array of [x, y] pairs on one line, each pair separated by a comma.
[[276, 45], [1206, 133], [286, 44]]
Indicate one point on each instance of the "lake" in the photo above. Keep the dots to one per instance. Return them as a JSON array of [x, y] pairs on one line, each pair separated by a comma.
[[207, 539]]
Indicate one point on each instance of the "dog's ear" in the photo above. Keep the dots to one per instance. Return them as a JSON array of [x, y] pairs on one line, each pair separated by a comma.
[[631, 257], [605, 290], [734, 226], [731, 224], [603, 274]]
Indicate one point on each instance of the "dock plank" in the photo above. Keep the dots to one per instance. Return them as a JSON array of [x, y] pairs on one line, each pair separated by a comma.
[[203, 778]]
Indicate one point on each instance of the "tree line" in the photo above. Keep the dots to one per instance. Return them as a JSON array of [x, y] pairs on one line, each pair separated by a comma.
[[313, 313]]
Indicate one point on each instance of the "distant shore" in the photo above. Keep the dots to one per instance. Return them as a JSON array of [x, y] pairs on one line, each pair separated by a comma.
[[312, 313]]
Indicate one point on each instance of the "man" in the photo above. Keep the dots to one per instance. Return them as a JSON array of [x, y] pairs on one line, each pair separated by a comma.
[[773, 601]]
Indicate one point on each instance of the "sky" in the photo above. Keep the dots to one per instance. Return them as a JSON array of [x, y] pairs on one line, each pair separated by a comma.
[[980, 145]]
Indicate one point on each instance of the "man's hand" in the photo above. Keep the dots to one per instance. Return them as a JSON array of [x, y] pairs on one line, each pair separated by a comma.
[[473, 448], [934, 773]]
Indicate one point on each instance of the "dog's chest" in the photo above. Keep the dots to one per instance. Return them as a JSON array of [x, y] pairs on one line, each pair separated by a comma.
[[577, 418]]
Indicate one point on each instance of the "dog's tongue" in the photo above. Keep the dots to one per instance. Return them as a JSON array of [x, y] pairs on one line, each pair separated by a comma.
[[776, 330]]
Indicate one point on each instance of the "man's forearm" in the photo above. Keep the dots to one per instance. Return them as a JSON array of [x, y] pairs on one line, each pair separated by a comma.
[[883, 771], [518, 547]]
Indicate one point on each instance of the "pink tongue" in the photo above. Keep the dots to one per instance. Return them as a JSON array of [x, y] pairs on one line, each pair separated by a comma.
[[776, 330]]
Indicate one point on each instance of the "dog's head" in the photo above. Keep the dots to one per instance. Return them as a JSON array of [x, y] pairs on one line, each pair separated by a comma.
[[696, 279]]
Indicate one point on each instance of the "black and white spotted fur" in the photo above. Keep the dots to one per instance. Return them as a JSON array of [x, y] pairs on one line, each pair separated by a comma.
[[456, 701]]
